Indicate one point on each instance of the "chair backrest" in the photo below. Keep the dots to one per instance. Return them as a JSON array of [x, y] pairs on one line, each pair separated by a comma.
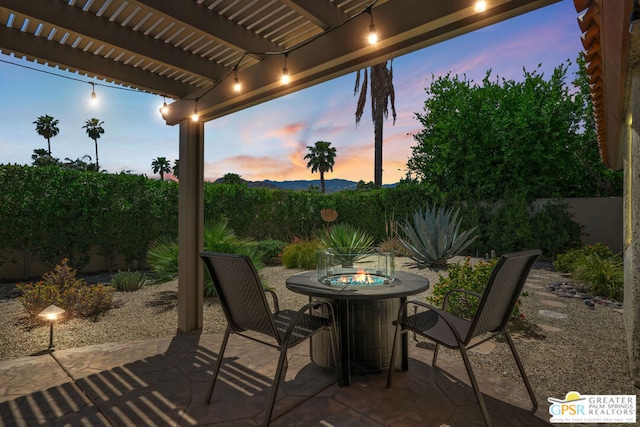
[[502, 292], [240, 293]]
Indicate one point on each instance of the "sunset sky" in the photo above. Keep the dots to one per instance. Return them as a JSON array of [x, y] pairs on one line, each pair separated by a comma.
[[269, 141]]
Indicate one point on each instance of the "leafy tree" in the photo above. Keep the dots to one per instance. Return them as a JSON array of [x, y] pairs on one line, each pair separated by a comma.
[[382, 94], [321, 158], [233, 179], [94, 130], [47, 127], [41, 157], [501, 138], [361, 185], [161, 165], [609, 182], [176, 168]]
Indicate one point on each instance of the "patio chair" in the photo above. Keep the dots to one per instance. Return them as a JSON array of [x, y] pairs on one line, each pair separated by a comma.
[[494, 309], [246, 309]]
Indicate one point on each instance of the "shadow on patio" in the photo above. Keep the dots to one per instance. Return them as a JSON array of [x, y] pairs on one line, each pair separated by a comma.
[[163, 382]]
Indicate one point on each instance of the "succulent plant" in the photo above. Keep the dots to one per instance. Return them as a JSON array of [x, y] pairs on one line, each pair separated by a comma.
[[345, 241], [435, 236]]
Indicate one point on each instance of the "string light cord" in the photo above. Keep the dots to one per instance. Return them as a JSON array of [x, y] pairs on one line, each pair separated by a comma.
[[233, 70], [287, 52], [71, 78]]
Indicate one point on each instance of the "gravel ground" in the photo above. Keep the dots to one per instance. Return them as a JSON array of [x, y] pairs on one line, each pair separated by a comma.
[[587, 353]]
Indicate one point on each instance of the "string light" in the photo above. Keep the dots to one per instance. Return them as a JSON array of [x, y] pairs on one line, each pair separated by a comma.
[[373, 35], [237, 87], [94, 97], [480, 6], [285, 72], [195, 116], [165, 108]]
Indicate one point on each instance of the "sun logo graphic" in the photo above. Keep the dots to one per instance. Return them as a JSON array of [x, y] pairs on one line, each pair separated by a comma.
[[573, 404], [593, 408]]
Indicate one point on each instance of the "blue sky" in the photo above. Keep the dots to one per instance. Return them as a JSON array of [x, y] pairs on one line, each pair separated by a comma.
[[269, 141]]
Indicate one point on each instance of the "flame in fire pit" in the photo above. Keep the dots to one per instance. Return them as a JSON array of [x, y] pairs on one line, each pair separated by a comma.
[[360, 278]]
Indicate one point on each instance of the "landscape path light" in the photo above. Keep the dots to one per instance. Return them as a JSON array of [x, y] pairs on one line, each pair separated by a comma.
[[51, 314]]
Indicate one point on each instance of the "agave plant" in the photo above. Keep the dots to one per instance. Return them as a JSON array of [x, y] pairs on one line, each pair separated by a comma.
[[435, 236], [345, 241]]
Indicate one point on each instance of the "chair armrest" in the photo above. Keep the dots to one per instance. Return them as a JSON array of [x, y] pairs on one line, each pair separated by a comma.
[[275, 299], [299, 313], [433, 308]]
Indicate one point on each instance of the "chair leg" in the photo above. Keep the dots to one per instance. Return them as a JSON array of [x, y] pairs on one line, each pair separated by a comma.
[[521, 368], [216, 370], [474, 384], [393, 353], [435, 355], [276, 383]]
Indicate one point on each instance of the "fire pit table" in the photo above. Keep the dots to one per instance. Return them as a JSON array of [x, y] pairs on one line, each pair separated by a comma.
[[365, 315]]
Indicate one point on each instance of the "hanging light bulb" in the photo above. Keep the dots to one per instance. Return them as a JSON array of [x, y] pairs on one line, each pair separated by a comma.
[[480, 6], [195, 116], [285, 72], [237, 87], [373, 35], [94, 97], [165, 108]]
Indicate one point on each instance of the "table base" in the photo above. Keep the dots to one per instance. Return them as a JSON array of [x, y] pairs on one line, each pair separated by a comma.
[[370, 332]]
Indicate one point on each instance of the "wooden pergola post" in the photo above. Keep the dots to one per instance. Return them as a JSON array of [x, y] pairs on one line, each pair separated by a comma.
[[190, 226]]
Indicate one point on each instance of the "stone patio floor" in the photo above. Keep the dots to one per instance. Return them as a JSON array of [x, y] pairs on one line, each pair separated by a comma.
[[163, 382]]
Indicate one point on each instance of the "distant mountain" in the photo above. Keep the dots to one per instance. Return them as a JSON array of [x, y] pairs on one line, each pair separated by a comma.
[[331, 185]]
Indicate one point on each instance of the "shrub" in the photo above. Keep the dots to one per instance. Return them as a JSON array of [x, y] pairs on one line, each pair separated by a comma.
[[162, 258], [567, 261], [596, 267], [271, 250], [465, 276], [218, 237], [127, 281], [61, 287], [301, 254], [604, 276], [553, 229], [434, 236]]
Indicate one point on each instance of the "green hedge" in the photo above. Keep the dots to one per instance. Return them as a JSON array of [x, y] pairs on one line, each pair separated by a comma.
[[58, 213]]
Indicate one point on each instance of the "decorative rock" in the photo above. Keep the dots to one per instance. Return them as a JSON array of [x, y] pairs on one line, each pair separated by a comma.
[[552, 314], [548, 328], [484, 348]]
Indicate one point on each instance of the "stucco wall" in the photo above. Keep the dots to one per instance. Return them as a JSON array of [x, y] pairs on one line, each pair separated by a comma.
[[601, 217]]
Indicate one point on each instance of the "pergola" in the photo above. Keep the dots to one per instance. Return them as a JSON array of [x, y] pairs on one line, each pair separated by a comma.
[[192, 50]]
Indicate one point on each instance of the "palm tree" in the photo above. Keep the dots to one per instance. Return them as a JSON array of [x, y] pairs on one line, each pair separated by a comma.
[[80, 164], [94, 129], [321, 159], [176, 168], [161, 165], [40, 157], [382, 94], [47, 126]]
